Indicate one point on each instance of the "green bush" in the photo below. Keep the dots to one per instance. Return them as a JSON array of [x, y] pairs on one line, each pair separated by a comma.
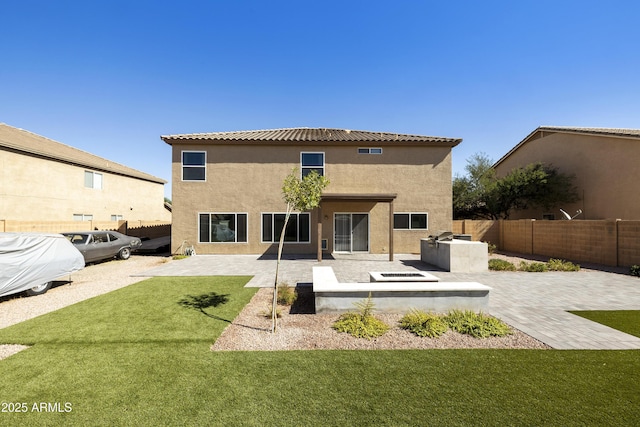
[[286, 294], [477, 325], [491, 248], [268, 312], [361, 324], [562, 265], [501, 265], [424, 324], [533, 267], [635, 270]]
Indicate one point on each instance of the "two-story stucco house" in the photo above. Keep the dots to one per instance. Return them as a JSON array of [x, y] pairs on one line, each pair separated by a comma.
[[386, 192], [45, 180], [604, 163]]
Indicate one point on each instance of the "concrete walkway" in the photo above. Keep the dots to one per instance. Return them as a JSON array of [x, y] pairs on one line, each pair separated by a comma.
[[535, 303]]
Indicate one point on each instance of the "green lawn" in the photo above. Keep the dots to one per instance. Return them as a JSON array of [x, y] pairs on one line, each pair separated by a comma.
[[140, 356], [627, 321]]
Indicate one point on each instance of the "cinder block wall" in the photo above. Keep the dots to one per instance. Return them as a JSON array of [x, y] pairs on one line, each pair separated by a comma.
[[628, 243], [608, 242]]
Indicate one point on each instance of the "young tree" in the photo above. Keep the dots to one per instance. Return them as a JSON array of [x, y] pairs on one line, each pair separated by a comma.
[[301, 195]]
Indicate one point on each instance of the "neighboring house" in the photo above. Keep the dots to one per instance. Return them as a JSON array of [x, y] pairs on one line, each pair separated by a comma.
[[44, 180], [386, 191], [603, 161]]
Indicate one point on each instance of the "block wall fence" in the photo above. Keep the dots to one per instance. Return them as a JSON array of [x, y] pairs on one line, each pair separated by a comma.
[[608, 242], [150, 229]]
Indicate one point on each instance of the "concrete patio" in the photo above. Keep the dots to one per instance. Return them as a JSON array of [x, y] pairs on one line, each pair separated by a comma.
[[535, 303]]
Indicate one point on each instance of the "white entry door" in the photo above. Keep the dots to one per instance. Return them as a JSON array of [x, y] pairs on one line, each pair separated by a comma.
[[351, 232]]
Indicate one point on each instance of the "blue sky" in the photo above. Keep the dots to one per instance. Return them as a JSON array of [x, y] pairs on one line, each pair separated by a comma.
[[110, 77]]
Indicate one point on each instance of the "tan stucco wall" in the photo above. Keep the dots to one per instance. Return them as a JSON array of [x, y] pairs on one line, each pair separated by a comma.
[[248, 178], [35, 189], [605, 168]]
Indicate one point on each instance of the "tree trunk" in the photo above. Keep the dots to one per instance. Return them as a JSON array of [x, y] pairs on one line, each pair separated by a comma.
[[274, 307]]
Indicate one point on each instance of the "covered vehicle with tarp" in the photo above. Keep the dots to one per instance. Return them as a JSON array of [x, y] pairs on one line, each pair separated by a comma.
[[29, 262]]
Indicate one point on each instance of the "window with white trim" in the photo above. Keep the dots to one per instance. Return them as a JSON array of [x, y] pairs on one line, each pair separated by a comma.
[[410, 221], [298, 228], [93, 180], [312, 162], [222, 227], [194, 166]]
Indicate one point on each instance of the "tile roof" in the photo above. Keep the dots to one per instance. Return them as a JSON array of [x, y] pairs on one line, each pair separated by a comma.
[[27, 142], [302, 135], [595, 131], [610, 132]]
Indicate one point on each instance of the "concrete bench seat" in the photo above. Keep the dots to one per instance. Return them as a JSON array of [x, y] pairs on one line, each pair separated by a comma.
[[331, 296]]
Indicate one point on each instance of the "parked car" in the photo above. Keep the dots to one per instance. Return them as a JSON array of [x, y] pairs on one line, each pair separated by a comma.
[[30, 262], [100, 245]]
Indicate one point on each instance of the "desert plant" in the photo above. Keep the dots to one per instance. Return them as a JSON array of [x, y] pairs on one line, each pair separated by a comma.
[[634, 270], [286, 294], [533, 267], [501, 265], [268, 312], [491, 248], [478, 325], [424, 324], [562, 265], [361, 324]]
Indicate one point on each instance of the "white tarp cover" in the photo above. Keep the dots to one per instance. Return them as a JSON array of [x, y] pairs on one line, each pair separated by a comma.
[[31, 259]]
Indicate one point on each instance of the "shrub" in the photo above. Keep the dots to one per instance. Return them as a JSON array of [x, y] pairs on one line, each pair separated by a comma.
[[286, 294], [424, 324], [635, 270], [533, 267], [268, 312], [501, 265], [562, 265], [361, 324], [477, 325], [491, 248]]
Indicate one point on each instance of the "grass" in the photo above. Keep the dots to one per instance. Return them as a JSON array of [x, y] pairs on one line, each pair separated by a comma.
[[140, 356], [627, 321]]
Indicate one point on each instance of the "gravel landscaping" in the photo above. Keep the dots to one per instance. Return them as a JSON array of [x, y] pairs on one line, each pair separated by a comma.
[[300, 329]]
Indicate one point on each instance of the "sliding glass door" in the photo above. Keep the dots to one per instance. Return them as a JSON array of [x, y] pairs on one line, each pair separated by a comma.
[[351, 232]]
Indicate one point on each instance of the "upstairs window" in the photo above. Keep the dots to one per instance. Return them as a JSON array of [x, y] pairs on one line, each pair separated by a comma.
[[370, 150], [312, 162], [93, 180], [194, 165]]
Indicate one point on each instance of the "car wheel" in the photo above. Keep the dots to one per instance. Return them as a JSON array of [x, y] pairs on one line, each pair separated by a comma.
[[124, 253], [38, 290]]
